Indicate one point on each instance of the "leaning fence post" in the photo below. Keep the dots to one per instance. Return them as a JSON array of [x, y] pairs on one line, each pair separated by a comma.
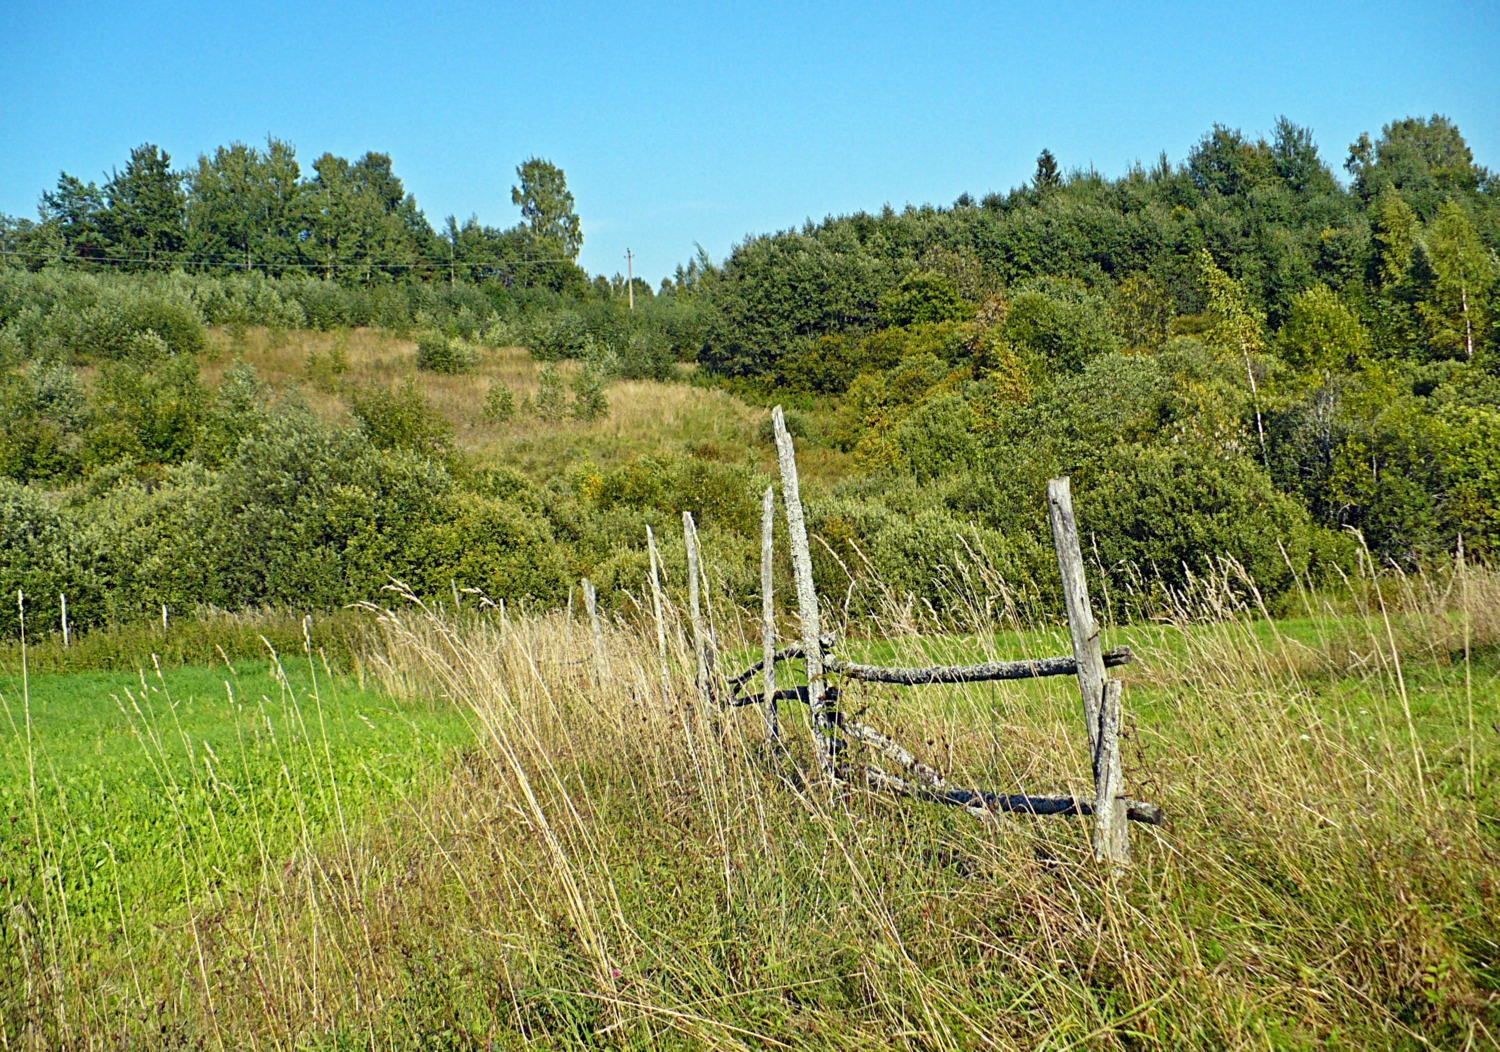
[[768, 610], [695, 609], [661, 624], [807, 595], [590, 601], [1111, 839]]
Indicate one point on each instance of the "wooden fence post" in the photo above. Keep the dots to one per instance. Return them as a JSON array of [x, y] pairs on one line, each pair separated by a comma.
[[661, 624], [1111, 838], [768, 610], [695, 611], [590, 602], [64, 599], [807, 595]]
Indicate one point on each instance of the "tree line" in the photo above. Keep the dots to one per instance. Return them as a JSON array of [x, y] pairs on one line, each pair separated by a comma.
[[251, 209]]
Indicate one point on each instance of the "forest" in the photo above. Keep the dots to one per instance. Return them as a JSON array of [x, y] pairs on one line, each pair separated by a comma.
[[1244, 355]]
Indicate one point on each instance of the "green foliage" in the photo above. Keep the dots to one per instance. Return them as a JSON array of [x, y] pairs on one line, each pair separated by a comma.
[[497, 547], [439, 353], [923, 296], [1321, 334], [589, 400], [549, 394], [1464, 275], [1141, 314], [1161, 513], [400, 419], [146, 410], [1059, 322], [499, 403], [547, 209]]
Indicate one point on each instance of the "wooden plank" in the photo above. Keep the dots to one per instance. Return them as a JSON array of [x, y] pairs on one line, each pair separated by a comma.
[[768, 609], [1101, 696], [807, 594], [989, 671]]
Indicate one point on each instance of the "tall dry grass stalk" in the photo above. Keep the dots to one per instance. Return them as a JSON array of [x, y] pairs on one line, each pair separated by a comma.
[[615, 864]]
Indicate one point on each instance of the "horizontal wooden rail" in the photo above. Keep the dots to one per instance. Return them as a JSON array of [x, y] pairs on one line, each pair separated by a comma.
[[994, 670], [788, 653], [1016, 803]]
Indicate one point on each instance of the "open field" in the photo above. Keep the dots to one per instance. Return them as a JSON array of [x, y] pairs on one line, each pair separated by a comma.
[[608, 867], [129, 800], [645, 418]]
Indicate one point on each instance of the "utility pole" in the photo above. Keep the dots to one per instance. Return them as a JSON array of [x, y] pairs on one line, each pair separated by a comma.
[[630, 277]]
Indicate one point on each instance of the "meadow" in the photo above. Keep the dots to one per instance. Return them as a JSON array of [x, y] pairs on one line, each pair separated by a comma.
[[484, 833]]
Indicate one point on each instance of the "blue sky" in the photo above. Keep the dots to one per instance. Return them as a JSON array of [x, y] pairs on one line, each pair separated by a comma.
[[701, 123]]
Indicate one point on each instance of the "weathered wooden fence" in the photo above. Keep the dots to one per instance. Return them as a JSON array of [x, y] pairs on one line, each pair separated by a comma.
[[1111, 809]]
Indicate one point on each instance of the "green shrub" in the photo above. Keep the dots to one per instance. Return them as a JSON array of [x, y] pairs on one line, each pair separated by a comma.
[[1164, 513], [401, 419], [479, 542], [149, 410], [439, 353], [589, 400], [499, 403], [549, 394], [554, 335], [923, 296]]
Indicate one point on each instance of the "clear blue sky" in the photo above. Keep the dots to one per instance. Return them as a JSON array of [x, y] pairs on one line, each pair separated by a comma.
[[701, 123]]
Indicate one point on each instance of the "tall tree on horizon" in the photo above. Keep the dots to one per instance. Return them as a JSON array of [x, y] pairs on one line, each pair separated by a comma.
[[242, 205], [1047, 176], [143, 221], [547, 208]]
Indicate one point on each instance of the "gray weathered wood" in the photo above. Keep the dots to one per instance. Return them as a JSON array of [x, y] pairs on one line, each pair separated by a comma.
[[1016, 803], [768, 609], [807, 594], [661, 622], [786, 653], [1084, 630], [992, 670], [590, 602], [695, 609], [1111, 837]]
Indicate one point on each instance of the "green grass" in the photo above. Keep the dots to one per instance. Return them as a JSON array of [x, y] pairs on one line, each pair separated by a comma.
[[137, 786]]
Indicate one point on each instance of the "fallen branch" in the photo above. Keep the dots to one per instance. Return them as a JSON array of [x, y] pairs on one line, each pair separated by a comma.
[[994, 670], [1016, 803], [739, 701], [787, 653]]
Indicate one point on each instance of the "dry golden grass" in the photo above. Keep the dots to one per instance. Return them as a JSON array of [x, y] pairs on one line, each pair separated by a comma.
[[612, 865], [645, 418]]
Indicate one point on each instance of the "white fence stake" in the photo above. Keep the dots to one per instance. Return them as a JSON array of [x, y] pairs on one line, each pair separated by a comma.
[[661, 624], [768, 609], [590, 601], [702, 659], [807, 595]]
